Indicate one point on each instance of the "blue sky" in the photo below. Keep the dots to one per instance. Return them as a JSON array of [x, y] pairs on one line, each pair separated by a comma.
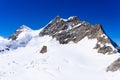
[[37, 13]]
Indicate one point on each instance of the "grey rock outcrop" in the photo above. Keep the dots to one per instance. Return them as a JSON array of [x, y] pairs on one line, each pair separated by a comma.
[[43, 50], [75, 34], [14, 36], [114, 66], [60, 29], [72, 29], [105, 49], [55, 26]]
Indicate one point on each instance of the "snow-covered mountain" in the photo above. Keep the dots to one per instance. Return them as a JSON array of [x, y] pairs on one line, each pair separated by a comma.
[[65, 49]]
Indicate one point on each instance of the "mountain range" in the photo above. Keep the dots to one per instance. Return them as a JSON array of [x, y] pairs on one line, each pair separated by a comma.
[[64, 49]]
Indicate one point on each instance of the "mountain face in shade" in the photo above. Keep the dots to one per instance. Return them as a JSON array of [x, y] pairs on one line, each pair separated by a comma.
[[65, 49]]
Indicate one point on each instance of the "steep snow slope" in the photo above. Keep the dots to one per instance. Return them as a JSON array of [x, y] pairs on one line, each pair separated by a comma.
[[61, 62], [20, 38]]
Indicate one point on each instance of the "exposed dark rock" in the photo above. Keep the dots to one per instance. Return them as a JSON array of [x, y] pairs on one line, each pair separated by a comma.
[[55, 26], [75, 30], [72, 21], [95, 31], [97, 46], [43, 50], [15, 35], [103, 40], [58, 29], [114, 66], [75, 34], [105, 49]]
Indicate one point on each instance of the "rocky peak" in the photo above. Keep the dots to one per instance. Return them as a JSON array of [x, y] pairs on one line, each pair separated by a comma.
[[21, 29], [57, 19], [95, 31], [103, 41], [72, 29], [72, 21], [56, 25], [73, 26]]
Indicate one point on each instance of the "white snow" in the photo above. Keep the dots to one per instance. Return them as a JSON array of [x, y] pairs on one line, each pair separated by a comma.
[[77, 25], [70, 18], [64, 19], [61, 62], [24, 28], [3, 43]]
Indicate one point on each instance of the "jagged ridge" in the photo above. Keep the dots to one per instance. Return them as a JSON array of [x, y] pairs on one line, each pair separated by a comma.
[[74, 30]]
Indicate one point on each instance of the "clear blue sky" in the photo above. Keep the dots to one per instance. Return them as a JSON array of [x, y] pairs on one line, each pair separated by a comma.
[[37, 13]]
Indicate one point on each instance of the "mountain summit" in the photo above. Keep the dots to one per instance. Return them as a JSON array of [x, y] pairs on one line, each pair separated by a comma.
[[75, 30], [65, 49], [22, 28]]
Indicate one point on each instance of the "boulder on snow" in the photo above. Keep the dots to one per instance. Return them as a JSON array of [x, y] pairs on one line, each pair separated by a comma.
[[43, 50], [97, 46]]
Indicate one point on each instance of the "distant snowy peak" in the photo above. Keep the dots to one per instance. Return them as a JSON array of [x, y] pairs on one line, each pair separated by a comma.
[[72, 29], [20, 38], [22, 28]]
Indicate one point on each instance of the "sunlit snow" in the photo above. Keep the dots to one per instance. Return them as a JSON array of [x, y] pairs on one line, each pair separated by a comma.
[[61, 62]]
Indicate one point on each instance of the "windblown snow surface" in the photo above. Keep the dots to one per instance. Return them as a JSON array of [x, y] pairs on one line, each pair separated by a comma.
[[72, 61]]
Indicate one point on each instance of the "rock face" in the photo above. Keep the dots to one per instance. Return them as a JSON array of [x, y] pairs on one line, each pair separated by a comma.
[[72, 29], [55, 26], [66, 31], [75, 34], [114, 66], [43, 50], [105, 49]]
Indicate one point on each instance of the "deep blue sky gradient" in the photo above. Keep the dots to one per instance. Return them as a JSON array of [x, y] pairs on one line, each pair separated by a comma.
[[37, 13]]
